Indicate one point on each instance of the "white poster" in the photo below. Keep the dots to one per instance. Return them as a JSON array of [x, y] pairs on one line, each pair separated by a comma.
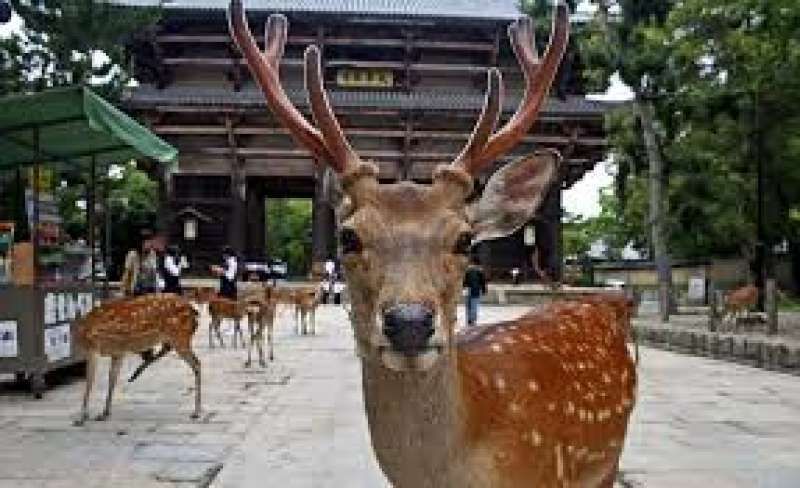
[[697, 289], [50, 309], [57, 342], [8, 339]]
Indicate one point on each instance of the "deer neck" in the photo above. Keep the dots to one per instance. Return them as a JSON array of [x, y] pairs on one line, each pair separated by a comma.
[[415, 422]]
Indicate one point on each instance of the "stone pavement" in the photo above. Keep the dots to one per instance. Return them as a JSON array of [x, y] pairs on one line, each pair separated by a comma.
[[300, 423]]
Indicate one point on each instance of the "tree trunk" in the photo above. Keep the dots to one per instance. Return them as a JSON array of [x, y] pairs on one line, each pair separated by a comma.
[[644, 111]]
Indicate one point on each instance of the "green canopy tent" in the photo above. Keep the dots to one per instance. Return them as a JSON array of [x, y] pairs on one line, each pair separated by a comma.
[[69, 127], [72, 125]]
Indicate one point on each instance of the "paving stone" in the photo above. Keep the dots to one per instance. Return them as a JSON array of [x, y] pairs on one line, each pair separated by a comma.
[[299, 422]]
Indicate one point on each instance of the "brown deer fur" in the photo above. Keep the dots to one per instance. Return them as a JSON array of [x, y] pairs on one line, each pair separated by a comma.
[[541, 401], [220, 308], [261, 318], [131, 325]]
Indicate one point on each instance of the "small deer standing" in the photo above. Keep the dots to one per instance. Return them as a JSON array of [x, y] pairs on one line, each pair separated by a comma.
[[543, 401], [131, 325], [221, 308], [306, 300], [261, 318]]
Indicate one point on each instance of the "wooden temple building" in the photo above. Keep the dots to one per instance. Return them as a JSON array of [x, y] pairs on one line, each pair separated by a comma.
[[407, 79]]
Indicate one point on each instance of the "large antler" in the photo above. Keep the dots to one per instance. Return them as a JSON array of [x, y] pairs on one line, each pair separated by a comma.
[[328, 143], [483, 147]]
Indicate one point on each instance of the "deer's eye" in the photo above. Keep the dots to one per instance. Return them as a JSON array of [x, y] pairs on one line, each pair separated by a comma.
[[463, 243], [349, 241]]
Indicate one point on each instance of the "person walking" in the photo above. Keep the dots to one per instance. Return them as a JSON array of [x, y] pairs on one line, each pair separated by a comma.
[[131, 271], [147, 280], [227, 273], [475, 285], [172, 271]]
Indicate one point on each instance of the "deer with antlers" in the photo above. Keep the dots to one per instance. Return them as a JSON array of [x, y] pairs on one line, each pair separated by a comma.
[[541, 401], [132, 325]]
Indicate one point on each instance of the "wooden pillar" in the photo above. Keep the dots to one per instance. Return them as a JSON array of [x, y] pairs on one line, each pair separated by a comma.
[[237, 230], [323, 223], [256, 221], [548, 234]]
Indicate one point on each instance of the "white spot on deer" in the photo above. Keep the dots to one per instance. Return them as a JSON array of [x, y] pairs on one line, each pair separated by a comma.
[[514, 408], [536, 438], [582, 414], [559, 462], [497, 348], [533, 385], [527, 338], [606, 378], [500, 383], [551, 406], [570, 408]]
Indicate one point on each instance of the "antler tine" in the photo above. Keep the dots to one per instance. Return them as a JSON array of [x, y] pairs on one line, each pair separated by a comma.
[[487, 120], [341, 151], [539, 77], [265, 69]]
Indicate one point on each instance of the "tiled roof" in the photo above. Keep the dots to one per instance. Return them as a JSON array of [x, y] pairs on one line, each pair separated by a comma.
[[147, 96], [463, 9]]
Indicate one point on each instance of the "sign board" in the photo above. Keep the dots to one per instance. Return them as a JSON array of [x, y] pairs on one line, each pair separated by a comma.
[[529, 235], [60, 311], [365, 78], [58, 342], [697, 289], [9, 347]]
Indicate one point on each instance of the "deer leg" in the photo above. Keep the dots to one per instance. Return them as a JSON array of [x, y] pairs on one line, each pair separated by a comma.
[[259, 339], [252, 331], [191, 359], [313, 317], [218, 331], [91, 366], [113, 374], [211, 329], [149, 358], [269, 340]]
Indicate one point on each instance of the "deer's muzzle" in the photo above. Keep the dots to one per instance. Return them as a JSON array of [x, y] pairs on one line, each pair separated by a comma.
[[409, 327]]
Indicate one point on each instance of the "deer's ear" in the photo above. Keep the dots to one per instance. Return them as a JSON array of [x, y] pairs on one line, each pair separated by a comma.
[[512, 195]]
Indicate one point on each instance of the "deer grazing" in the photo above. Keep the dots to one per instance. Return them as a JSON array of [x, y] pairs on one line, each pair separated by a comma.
[[131, 325], [541, 401], [739, 303]]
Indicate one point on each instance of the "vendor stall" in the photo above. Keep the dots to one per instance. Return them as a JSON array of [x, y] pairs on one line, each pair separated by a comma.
[[48, 278]]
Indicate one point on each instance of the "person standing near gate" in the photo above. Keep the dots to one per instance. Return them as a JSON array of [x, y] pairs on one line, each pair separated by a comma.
[[475, 285], [172, 271], [227, 273]]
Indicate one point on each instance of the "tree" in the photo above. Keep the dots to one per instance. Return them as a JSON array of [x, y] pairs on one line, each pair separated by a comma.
[[288, 233], [70, 42]]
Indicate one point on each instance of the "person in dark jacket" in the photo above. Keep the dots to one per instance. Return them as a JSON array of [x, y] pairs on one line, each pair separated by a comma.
[[172, 271], [227, 274], [475, 285]]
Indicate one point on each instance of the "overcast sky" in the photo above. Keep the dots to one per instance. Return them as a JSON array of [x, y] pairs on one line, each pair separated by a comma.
[[581, 199]]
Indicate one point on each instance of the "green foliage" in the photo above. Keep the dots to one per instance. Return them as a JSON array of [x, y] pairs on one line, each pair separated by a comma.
[[711, 68], [70, 42], [289, 233]]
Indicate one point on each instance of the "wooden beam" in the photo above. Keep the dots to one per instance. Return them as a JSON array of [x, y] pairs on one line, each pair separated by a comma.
[[336, 41], [373, 133]]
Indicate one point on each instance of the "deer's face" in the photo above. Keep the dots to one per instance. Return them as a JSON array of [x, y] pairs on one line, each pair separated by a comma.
[[405, 247]]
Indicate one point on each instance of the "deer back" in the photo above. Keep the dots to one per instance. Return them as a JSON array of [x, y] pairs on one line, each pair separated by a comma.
[[135, 324], [550, 394]]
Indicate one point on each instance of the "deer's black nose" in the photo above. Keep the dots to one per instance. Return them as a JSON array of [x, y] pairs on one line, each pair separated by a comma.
[[408, 326]]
